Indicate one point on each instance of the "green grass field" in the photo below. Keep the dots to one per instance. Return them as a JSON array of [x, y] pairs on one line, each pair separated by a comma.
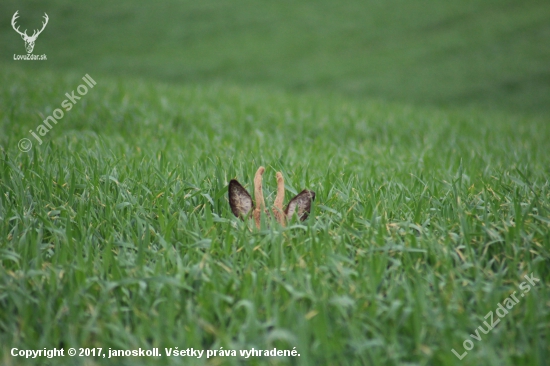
[[116, 232]]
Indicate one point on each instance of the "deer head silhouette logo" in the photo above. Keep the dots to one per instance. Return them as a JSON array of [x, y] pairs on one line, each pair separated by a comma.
[[29, 40], [241, 203]]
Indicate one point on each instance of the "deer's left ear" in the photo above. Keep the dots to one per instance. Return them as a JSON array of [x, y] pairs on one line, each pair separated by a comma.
[[239, 199], [300, 205]]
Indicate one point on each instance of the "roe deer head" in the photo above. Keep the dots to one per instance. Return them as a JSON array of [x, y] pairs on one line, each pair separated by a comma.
[[241, 203]]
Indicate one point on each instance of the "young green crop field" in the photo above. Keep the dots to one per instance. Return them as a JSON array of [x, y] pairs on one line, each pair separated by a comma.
[[117, 233], [429, 238]]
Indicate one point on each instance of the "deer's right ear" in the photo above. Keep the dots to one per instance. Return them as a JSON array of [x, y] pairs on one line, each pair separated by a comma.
[[239, 199], [300, 205]]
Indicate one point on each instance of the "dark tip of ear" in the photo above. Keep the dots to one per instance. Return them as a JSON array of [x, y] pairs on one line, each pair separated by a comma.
[[311, 193], [233, 182]]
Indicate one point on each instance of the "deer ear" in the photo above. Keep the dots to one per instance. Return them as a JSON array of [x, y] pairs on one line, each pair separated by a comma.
[[300, 205], [239, 199]]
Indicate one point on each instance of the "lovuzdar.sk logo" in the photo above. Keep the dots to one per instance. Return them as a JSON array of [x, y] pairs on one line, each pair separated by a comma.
[[29, 40]]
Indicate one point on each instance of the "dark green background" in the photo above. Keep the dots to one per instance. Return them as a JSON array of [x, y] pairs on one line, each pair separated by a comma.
[[485, 53]]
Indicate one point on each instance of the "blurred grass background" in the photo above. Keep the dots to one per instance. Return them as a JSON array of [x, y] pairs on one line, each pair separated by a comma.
[[483, 53]]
